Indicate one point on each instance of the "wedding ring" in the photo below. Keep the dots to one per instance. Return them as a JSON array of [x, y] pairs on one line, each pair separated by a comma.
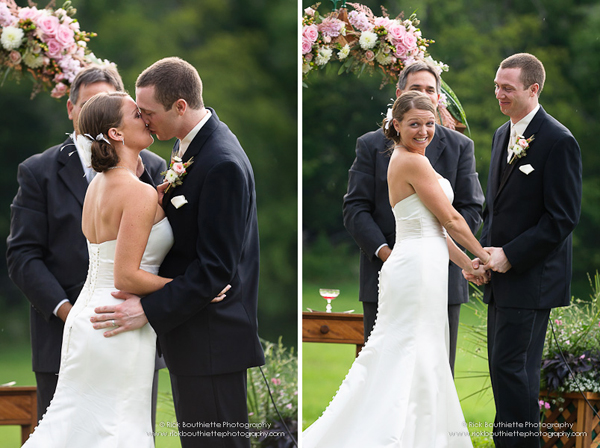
[[113, 323]]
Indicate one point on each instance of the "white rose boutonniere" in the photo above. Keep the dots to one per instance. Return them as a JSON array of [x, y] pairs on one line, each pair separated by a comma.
[[520, 147]]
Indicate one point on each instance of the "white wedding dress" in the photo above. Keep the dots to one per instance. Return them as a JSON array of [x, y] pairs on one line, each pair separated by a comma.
[[400, 392], [103, 396]]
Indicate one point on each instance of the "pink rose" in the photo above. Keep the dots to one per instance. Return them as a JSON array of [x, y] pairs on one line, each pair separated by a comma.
[[178, 168], [306, 46], [396, 31], [382, 21], [405, 44], [48, 25], [15, 57], [29, 13], [65, 36], [369, 55], [59, 90], [523, 143], [547, 405], [309, 12], [308, 57], [54, 48], [74, 26], [311, 33]]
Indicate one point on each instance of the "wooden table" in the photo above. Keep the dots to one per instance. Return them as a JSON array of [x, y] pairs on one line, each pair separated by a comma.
[[18, 406], [337, 328]]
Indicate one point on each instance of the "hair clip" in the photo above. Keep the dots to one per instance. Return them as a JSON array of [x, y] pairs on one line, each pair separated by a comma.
[[98, 138]]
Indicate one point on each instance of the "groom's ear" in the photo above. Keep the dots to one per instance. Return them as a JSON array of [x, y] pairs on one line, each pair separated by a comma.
[[180, 106]]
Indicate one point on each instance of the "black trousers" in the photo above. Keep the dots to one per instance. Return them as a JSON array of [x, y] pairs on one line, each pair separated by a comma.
[[370, 313], [211, 410], [46, 386], [515, 344]]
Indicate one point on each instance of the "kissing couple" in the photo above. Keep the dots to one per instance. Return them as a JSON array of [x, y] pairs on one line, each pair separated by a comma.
[[171, 261]]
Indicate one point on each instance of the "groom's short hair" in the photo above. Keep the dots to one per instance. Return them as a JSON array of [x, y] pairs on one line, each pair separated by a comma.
[[532, 69], [94, 74], [419, 66], [173, 79]]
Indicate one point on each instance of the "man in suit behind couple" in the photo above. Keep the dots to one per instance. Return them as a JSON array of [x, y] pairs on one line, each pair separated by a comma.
[[207, 348]]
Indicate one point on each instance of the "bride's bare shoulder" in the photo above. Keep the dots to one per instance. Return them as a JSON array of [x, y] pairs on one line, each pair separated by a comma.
[[410, 162]]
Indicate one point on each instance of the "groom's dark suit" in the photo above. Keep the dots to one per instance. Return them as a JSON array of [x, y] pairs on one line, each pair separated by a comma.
[[47, 253], [532, 217], [368, 214], [216, 243]]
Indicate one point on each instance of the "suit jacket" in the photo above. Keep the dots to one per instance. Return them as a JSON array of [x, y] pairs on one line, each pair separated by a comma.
[[368, 214], [216, 243], [532, 216], [47, 253]]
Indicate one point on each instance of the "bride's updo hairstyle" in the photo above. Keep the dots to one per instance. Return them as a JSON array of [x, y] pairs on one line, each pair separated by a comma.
[[405, 102], [100, 113]]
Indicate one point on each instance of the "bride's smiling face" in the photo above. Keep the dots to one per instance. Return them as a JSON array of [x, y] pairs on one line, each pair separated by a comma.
[[416, 130], [133, 128]]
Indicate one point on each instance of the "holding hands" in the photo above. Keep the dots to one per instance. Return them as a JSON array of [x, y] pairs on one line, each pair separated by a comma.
[[497, 262]]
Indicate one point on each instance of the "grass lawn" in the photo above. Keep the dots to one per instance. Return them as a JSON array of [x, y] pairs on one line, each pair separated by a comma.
[[324, 366], [16, 366]]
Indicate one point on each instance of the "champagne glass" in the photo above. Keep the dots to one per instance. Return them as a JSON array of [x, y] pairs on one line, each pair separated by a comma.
[[329, 295]]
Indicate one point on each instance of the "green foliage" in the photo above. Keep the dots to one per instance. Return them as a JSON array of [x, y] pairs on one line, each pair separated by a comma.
[[574, 335], [281, 374]]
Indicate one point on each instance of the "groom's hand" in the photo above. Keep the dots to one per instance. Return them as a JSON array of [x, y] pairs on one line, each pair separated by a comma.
[[126, 316], [498, 261]]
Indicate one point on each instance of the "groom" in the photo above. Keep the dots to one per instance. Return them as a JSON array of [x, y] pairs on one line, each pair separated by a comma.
[[533, 205], [207, 347]]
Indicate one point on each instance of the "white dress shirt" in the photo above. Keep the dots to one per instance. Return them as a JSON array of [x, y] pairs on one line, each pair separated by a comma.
[[185, 143]]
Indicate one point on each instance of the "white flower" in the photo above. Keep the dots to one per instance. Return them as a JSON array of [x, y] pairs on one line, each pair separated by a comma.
[[383, 58], [368, 40], [171, 176], [323, 56], [306, 68], [344, 52], [86, 149], [12, 38]]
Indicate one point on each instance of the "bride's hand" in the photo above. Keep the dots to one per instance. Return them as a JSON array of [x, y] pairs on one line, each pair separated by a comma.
[[221, 295]]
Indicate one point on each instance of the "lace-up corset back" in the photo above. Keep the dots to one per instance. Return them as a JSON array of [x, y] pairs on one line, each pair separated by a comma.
[[414, 220]]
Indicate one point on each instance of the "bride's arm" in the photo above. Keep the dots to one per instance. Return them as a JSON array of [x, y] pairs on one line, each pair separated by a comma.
[[462, 260], [420, 174], [137, 219]]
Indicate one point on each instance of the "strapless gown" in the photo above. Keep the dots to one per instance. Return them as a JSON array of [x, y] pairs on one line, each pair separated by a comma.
[[399, 391], [103, 396]]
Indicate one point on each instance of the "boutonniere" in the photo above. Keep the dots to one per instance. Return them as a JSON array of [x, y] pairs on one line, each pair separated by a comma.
[[520, 147], [176, 171]]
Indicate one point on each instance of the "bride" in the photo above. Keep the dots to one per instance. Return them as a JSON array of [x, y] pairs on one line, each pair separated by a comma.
[[104, 385], [399, 392]]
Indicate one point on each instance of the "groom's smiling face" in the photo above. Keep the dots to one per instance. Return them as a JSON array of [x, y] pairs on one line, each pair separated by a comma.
[[161, 122]]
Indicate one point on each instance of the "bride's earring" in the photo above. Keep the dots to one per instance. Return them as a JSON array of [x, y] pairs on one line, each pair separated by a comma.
[[123, 140]]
